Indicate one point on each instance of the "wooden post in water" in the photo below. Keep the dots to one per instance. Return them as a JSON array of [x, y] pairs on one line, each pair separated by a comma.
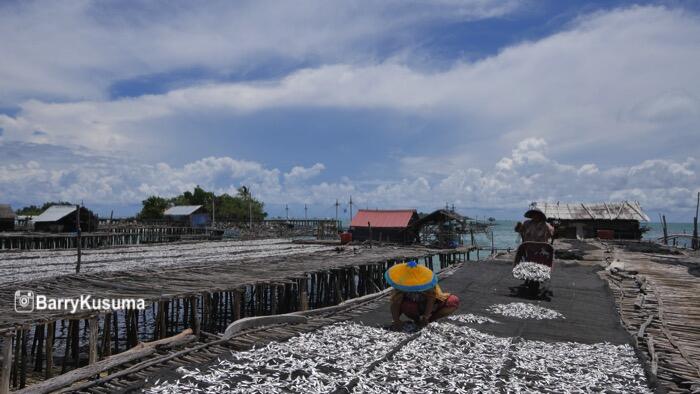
[[303, 295], [665, 230], [23, 365], [92, 340], [51, 331], [77, 238], [106, 350], [696, 244], [194, 322], [6, 363], [237, 295]]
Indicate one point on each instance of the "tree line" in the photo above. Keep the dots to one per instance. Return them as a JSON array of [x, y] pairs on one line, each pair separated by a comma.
[[226, 206]]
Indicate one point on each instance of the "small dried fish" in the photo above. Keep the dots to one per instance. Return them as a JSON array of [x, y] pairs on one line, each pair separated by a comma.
[[522, 310], [471, 318], [445, 357], [532, 271]]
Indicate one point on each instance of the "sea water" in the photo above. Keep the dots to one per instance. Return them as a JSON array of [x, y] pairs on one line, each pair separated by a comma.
[[504, 235]]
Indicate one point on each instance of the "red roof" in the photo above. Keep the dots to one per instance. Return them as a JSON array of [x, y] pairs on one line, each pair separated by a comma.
[[383, 219]]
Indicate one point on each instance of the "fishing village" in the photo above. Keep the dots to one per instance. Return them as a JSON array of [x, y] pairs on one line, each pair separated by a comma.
[[336, 197], [303, 305]]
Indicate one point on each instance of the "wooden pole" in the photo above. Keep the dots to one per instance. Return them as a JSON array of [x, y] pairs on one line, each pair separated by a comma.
[[51, 328], [194, 324], [77, 238], [237, 295], [39, 333], [696, 244], [92, 355], [6, 363], [23, 365], [665, 230], [107, 336], [369, 229], [303, 295]]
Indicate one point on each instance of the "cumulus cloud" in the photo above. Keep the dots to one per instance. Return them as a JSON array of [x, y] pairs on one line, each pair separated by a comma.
[[299, 173], [531, 175]]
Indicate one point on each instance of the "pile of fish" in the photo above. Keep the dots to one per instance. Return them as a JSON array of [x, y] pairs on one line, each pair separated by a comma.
[[532, 271], [315, 362], [471, 318], [443, 357], [569, 367], [522, 310]]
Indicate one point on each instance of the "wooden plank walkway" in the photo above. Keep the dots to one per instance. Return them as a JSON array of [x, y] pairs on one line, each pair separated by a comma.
[[658, 296]]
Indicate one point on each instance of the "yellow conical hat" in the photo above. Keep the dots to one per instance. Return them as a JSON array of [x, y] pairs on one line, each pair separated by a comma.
[[410, 277]]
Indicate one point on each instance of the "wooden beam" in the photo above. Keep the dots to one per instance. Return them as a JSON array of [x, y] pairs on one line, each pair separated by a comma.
[[588, 211]]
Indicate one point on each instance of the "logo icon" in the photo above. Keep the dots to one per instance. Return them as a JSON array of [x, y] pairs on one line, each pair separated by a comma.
[[24, 301]]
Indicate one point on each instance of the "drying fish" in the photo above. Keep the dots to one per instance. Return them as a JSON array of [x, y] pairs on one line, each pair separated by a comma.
[[471, 318], [443, 357], [532, 271], [522, 310], [30, 265]]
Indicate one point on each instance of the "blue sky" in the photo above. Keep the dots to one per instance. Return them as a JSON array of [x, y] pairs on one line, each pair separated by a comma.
[[484, 104]]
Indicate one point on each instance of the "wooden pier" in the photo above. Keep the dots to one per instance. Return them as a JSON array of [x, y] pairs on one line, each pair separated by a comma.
[[115, 236], [204, 298], [658, 296]]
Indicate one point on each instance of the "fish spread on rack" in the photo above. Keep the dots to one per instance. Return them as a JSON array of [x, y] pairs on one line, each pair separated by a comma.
[[443, 357]]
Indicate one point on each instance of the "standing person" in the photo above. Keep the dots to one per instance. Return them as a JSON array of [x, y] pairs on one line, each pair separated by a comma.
[[536, 229], [417, 295]]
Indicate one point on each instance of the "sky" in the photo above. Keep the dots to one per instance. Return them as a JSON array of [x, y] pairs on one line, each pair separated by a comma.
[[482, 104]]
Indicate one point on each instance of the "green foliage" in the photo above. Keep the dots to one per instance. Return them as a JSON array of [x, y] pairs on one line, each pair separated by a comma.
[[153, 207], [33, 210], [227, 207]]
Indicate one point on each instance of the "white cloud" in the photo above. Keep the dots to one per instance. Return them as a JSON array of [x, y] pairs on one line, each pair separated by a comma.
[[75, 50], [616, 93], [626, 78], [299, 173], [658, 184]]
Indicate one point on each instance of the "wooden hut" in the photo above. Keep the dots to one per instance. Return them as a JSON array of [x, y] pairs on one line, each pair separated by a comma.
[[187, 215], [7, 218], [394, 226], [618, 220], [62, 219], [442, 228]]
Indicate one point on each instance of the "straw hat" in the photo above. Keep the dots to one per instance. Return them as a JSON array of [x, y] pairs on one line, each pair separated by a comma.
[[534, 212], [410, 277]]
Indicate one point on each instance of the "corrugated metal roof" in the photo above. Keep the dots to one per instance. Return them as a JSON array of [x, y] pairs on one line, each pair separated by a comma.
[[55, 213], [6, 212], [383, 219], [181, 210], [624, 210]]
